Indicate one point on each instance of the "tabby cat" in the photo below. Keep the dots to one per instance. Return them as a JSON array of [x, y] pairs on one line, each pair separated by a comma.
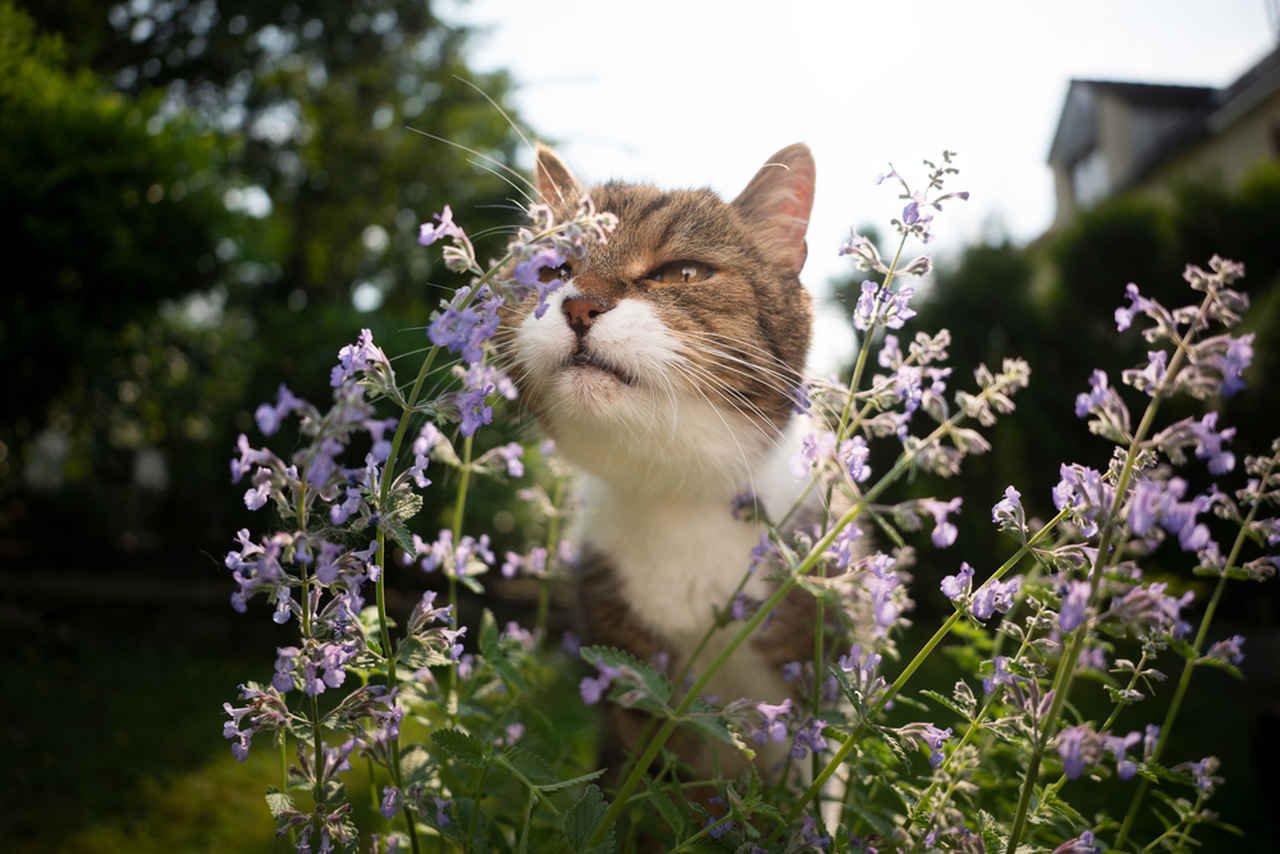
[[666, 369]]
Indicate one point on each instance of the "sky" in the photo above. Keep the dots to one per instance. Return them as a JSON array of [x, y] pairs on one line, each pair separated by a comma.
[[701, 93]]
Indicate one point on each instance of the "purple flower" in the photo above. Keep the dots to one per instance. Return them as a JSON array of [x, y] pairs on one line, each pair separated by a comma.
[[1007, 513], [391, 802], [1230, 650], [1096, 396], [1074, 606], [451, 637], [956, 587], [466, 323], [511, 454], [1209, 443], [442, 814], [773, 725], [356, 358], [1203, 772], [1148, 378], [875, 307], [814, 449], [269, 417], [944, 532], [853, 456], [1085, 843], [1149, 609], [1085, 494], [444, 227], [1137, 303], [809, 738], [995, 596], [1118, 746], [1000, 674], [593, 689], [1079, 747]]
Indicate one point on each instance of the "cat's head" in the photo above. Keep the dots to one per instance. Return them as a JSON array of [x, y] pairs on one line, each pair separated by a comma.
[[673, 352]]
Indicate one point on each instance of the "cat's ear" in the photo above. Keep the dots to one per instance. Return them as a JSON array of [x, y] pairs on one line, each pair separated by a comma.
[[556, 184], [777, 203]]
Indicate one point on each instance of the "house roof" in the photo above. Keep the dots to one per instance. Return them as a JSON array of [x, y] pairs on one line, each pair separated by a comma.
[[1205, 110]]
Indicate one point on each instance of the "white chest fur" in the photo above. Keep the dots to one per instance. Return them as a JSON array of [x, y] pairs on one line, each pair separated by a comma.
[[679, 556]]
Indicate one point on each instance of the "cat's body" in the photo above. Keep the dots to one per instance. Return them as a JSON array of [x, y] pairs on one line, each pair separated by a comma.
[[666, 369]]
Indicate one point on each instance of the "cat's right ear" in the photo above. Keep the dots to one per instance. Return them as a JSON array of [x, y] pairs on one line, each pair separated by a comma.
[[777, 204], [556, 184]]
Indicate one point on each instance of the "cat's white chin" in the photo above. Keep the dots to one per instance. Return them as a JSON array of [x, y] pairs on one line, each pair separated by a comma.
[[622, 411]]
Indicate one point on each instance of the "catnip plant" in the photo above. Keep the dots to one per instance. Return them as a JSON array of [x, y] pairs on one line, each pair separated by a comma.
[[448, 724]]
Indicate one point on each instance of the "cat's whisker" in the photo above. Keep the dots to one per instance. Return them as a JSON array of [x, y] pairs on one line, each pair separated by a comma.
[[757, 359], [742, 454], [497, 163], [728, 394], [483, 94], [744, 346]]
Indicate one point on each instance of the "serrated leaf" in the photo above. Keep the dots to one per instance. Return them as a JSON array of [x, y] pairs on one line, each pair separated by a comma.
[[582, 819], [574, 781], [400, 532], [531, 766], [1221, 665], [489, 635], [279, 803], [402, 506], [671, 814], [415, 765], [989, 830], [461, 747], [631, 671], [945, 702]]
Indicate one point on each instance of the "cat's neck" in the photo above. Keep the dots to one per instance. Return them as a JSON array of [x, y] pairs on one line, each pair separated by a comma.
[[741, 471]]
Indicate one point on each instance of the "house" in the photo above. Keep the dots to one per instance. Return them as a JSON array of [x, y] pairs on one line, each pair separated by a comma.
[[1114, 136]]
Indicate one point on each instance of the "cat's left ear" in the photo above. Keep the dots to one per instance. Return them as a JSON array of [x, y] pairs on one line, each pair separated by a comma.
[[556, 184], [777, 204]]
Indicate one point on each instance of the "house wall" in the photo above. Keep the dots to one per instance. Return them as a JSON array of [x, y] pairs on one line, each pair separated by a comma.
[[1229, 154]]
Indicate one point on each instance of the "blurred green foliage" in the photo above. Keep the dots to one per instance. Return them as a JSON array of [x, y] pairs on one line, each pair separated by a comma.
[[209, 198]]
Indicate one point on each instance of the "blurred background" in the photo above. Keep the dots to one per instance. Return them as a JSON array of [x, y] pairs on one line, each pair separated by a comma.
[[201, 200]]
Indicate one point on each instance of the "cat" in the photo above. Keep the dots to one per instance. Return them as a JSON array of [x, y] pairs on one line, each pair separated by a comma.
[[666, 369]]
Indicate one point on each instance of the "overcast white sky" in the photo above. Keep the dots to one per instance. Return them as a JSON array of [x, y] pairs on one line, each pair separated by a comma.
[[700, 93]]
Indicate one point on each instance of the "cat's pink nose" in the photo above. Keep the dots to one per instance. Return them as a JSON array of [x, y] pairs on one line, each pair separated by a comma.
[[581, 312]]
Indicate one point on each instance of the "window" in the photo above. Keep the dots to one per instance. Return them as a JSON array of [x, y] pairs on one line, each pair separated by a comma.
[[1089, 180]]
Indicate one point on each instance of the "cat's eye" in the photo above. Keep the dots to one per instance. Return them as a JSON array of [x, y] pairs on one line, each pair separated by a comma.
[[550, 274], [680, 273]]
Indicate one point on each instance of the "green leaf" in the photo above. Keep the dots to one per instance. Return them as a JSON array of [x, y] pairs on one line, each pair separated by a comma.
[[671, 814], [415, 765], [582, 819], [989, 830], [574, 781], [945, 702], [531, 766], [461, 747], [489, 635], [401, 534], [633, 673], [1221, 665], [402, 506], [279, 803]]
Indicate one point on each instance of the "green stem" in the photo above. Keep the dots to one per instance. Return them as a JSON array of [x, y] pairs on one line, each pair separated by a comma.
[[459, 512], [1066, 665], [1184, 681]]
